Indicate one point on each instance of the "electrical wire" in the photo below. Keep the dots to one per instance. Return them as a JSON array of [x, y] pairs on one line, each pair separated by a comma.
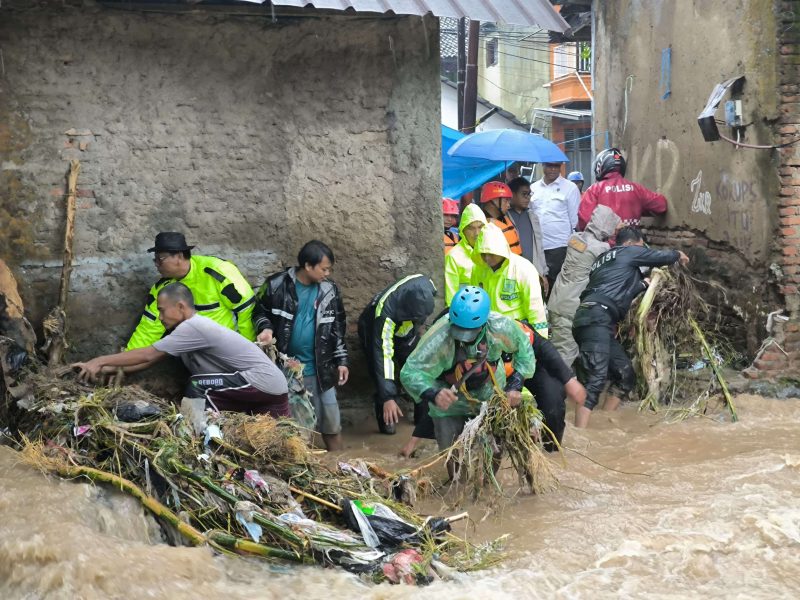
[[507, 91], [758, 146]]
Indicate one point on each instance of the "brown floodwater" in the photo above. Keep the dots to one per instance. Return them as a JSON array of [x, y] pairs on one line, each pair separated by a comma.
[[705, 509]]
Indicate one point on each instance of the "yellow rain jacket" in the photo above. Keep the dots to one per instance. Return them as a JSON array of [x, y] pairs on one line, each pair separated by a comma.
[[220, 293], [458, 262], [514, 287]]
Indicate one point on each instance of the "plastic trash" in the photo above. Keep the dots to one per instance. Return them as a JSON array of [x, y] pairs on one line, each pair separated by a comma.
[[256, 481], [136, 410], [376, 520], [320, 530], [81, 430], [244, 515], [404, 567], [212, 431], [358, 468]]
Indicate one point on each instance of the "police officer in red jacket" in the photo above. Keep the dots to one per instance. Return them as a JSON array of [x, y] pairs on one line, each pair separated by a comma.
[[629, 200]]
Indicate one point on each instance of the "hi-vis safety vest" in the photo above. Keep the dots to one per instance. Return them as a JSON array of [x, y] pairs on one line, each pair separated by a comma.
[[220, 293]]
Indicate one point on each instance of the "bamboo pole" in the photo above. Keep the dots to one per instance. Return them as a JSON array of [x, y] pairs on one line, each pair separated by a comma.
[[154, 506], [314, 498], [231, 542]]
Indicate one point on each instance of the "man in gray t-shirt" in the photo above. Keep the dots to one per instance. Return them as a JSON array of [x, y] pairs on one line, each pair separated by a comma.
[[227, 369]]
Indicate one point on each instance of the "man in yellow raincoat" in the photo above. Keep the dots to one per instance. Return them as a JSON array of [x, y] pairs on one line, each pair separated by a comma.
[[511, 281], [458, 262]]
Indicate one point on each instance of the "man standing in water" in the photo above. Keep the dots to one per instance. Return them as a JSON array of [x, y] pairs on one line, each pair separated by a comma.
[[302, 310], [615, 280]]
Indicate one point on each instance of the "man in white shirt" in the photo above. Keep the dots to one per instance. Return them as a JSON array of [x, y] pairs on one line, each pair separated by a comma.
[[555, 201]]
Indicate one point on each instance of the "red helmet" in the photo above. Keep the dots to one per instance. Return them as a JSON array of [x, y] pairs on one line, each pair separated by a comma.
[[449, 207], [495, 189]]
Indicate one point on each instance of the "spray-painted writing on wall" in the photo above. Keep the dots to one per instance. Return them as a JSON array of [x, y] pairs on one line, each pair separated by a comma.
[[701, 201]]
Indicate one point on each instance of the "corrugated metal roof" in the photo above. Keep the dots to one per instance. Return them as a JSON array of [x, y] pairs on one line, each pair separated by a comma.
[[517, 12]]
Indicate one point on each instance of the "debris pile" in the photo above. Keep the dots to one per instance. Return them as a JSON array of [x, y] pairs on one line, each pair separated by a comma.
[[242, 484], [673, 330]]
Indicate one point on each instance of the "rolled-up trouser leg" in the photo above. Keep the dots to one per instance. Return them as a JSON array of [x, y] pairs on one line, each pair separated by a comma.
[[550, 395], [560, 328], [620, 370]]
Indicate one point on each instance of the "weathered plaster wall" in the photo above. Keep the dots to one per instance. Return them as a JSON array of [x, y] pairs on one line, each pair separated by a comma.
[[249, 136], [723, 200]]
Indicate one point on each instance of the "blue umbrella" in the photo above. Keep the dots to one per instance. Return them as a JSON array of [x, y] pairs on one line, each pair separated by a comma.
[[510, 145]]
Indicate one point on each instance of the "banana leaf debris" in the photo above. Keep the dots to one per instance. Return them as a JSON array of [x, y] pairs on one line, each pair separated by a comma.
[[674, 331], [245, 485]]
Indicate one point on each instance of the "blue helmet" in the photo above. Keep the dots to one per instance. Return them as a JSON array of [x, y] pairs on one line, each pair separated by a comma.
[[469, 311], [575, 176]]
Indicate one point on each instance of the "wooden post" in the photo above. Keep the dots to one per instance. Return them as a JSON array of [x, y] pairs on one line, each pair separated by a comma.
[[69, 232], [55, 324]]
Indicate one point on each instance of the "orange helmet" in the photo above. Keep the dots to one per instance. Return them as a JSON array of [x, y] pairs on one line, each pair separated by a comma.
[[495, 189], [449, 207]]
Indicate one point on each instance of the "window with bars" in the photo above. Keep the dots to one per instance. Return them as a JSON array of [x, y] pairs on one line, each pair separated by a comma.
[[578, 148], [491, 52], [584, 57]]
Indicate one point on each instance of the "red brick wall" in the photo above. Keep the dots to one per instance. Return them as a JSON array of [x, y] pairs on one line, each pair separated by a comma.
[[780, 352]]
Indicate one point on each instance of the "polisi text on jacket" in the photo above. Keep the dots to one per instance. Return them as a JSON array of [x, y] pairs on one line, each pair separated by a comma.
[[624, 187]]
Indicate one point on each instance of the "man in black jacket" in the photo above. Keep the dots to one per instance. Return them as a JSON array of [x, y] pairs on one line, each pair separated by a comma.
[[552, 382], [302, 310], [615, 280], [389, 329]]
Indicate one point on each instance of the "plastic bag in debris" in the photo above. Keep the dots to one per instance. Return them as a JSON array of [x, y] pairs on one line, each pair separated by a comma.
[[406, 567], [355, 561], [212, 431], [254, 479], [358, 468], [301, 408], [320, 530], [136, 410], [244, 515], [14, 359], [300, 404], [381, 526]]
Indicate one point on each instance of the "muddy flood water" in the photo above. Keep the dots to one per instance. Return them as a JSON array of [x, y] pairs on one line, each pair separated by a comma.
[[705, 509]]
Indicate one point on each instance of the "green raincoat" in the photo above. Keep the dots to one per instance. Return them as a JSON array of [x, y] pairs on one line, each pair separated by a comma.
[[435, 355], [458, 262]]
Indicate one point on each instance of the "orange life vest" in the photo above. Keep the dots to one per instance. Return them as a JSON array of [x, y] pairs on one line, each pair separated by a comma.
[[450, 241], [510, 231], [509, 365]]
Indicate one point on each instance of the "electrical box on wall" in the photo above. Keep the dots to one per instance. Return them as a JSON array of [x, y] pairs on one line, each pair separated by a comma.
[[707, 120], [733, 113]]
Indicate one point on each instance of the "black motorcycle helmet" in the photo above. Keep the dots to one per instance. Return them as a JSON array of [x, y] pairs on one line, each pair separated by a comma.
[[608, 161]]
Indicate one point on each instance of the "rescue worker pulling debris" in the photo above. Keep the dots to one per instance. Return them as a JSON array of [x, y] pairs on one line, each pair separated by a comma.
[[452, 369], [614, 281]]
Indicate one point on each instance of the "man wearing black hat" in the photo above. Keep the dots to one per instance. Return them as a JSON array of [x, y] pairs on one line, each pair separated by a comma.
[[220, 291]]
